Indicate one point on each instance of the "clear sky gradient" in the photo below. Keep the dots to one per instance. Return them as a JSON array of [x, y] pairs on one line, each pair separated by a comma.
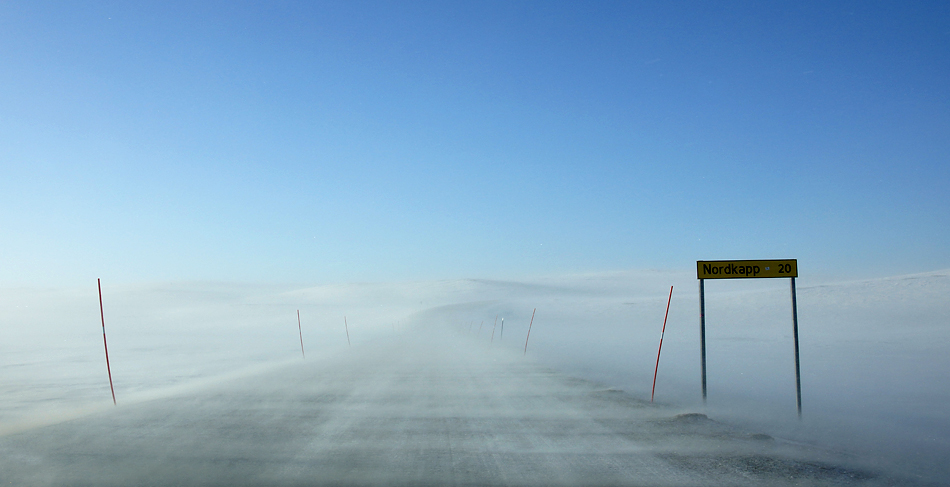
[[344, 141]]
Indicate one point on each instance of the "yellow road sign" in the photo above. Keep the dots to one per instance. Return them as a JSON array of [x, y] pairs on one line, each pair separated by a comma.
[[746, 269]]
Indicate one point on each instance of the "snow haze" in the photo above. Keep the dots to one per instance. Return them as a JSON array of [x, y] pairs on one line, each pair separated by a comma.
[[873, 352]]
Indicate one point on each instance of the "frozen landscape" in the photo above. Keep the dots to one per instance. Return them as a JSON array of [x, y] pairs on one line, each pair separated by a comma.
[[425, 181], [212, 389]]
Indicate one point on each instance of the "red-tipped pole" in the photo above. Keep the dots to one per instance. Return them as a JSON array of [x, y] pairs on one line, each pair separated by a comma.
[[104, 344], [347, 332], [529, 332], [300, 330], [493, 330], [661, 343]]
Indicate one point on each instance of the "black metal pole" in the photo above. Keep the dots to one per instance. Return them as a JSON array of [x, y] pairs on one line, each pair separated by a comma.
[[702, 334], [798, 367]]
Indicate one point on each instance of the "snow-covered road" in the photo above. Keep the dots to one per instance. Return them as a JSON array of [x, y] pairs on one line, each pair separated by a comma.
[[422, 408]]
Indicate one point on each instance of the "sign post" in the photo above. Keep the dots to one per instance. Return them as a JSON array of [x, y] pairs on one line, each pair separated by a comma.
[[702, 333], [748, 269], [798, 368]]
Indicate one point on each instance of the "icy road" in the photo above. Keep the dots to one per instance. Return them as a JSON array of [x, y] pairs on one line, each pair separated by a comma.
[[412, 411]]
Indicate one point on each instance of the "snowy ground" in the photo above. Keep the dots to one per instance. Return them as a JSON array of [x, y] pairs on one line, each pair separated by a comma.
[[875, 353]]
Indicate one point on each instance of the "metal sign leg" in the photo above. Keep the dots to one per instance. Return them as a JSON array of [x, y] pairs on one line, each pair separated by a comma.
[[702, 334], [798, 368]]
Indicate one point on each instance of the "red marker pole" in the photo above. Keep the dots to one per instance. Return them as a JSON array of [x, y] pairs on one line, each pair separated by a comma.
[[529, 332], [300, 330], [661, 343], [104, 344], [347, 332]]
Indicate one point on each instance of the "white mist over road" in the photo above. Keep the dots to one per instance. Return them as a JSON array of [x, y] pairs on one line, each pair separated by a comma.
[[423, 409], [222, 362]]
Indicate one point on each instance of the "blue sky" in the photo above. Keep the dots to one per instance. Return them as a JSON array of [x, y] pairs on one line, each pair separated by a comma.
[[327, 142]]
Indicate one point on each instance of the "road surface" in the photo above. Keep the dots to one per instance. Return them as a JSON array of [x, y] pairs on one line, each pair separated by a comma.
[[412, 411]]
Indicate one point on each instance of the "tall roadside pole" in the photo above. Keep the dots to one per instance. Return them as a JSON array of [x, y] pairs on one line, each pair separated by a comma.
[[105, 345], [749, 269]]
